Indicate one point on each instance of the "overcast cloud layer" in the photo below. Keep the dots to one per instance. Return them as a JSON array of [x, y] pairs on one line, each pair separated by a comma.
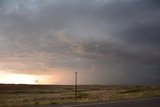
[[106, 41]]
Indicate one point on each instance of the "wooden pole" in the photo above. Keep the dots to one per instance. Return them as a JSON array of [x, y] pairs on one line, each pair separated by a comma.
[[76, 86]]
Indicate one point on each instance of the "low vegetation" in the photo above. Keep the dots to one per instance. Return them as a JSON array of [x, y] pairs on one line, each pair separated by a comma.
[[20, 95]]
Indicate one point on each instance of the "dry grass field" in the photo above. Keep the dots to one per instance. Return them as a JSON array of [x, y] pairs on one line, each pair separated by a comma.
[[20, 95]]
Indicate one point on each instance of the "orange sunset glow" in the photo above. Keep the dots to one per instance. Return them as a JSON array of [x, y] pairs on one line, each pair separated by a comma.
[[12, 78]]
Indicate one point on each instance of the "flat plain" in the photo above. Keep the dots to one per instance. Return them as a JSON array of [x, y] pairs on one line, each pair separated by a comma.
[[12, 95]]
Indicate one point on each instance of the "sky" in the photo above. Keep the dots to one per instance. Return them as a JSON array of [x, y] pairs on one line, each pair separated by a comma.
[[105, 41]]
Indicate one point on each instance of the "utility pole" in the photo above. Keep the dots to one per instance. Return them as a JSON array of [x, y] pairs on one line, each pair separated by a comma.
[[76, 86]]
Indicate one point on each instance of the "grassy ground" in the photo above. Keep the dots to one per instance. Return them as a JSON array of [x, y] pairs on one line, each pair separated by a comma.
[[20, 95]]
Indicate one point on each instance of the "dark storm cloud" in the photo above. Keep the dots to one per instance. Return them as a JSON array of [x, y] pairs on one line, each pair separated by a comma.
[[113, 38]]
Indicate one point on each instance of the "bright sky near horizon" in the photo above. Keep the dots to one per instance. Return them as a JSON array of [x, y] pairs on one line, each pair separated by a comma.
[[105, 41], [13, 78]]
